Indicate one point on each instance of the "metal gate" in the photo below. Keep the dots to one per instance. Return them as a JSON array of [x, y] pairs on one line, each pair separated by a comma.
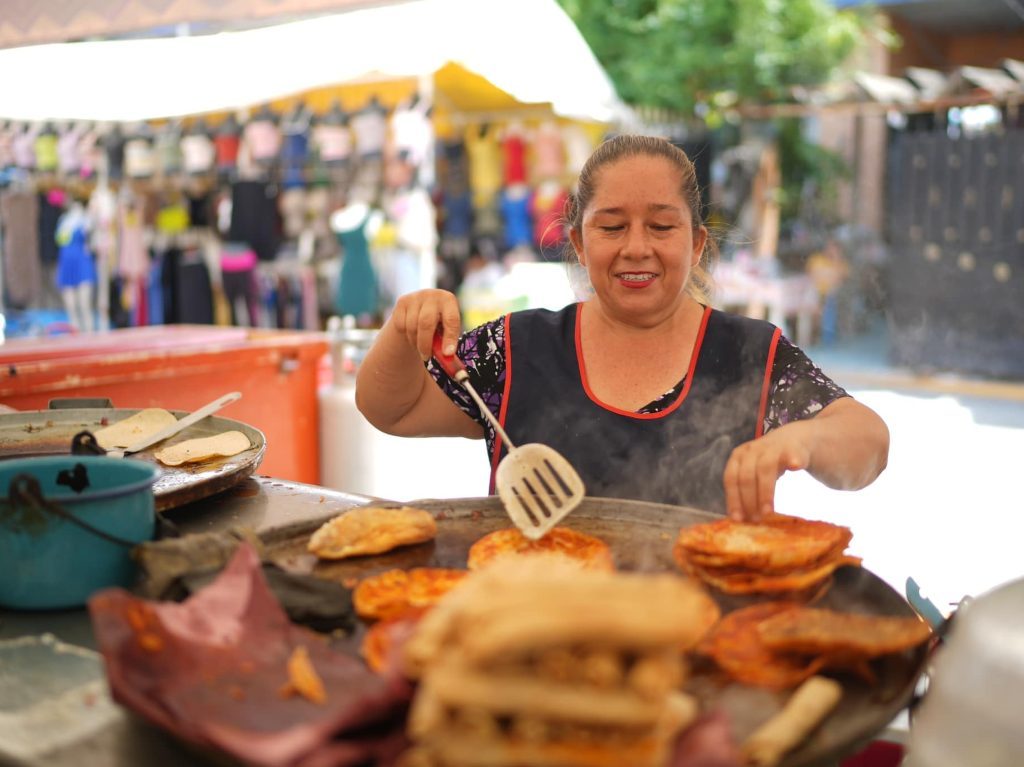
[[956, 226]]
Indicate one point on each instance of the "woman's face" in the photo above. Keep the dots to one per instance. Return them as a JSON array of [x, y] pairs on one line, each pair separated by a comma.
[[637, 241]]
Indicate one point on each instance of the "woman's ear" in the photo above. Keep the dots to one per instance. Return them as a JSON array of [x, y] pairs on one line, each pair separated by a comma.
[[700, 239], [577, 245]]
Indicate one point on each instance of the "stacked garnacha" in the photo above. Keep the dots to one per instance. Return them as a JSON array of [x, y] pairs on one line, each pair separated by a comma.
[[777, 555], [536, 661]]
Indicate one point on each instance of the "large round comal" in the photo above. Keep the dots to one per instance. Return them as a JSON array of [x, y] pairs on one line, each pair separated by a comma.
[[47, 560]]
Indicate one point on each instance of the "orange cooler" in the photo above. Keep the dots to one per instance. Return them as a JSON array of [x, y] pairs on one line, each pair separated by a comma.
[[182, 367]]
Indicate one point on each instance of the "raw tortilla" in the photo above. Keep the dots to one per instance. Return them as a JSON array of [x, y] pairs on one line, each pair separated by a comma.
[[196, 450], [127, 432]]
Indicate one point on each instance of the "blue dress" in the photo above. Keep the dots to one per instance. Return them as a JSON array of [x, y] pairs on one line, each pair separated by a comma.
[[75, 264]]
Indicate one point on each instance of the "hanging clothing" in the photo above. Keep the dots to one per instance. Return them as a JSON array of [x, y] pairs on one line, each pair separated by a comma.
[[333, 143], [255, 218], [515, 210], [113, 147], [167, 147], [294, 155], [6, 151], [548, 152], [485, 164], [133, 259], [69, 158], [225, 144], [674, 456], [19, 212], [88, 154], [198, 153], [46, 152], [139, 158], [75, 264], [50, 211], [23, 147], [357, 288], [513, 147], [370, 130], [263, 140]]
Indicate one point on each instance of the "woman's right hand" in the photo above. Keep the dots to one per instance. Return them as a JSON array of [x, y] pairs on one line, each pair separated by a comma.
[[418, 315]]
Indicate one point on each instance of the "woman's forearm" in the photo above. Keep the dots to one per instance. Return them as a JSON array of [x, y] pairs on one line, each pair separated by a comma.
[[390, 381], [850, 445]]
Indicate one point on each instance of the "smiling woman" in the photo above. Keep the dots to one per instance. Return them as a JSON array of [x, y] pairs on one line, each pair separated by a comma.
[[648, 392]]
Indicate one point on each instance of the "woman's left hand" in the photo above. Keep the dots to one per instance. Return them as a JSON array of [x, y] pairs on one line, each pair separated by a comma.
[[754, 467]]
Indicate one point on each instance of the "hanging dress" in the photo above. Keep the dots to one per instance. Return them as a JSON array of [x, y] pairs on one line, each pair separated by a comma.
[[357, 289]]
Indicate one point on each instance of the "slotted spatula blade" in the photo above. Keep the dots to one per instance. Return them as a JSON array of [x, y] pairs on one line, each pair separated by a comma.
[[537, 486]]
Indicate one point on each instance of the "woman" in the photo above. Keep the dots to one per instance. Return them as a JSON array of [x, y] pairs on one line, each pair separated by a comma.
[[648, 392]]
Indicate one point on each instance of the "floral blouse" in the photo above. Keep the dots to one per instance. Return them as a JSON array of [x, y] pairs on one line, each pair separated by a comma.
[[798, 388]]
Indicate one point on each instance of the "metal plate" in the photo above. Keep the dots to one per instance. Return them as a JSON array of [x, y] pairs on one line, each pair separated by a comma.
[[49, 432], [641, 536]]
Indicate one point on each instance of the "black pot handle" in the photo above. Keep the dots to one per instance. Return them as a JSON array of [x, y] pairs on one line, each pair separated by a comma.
[[84, 443], [25, 489]]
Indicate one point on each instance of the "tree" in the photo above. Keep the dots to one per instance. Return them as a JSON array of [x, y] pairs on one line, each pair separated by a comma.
[[695, 55]]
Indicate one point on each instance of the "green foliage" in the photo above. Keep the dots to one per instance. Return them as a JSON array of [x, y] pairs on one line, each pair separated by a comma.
[[678, 54], [807, 169]]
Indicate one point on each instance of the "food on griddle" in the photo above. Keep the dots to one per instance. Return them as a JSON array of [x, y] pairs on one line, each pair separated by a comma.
[[201, 449], [586, 550], [393, 592], [135, 427], [384, 639], [839, 636], [779, 555], [371, 530], [779, 644], [806, 708], [535, 661], [736, 647], [303, 679]]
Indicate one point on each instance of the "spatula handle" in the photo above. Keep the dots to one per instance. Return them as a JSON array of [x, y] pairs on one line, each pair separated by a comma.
[[451, 364]]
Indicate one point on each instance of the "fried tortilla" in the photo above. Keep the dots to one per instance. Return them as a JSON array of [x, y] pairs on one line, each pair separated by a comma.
[[839, 635], [371, 530], [204, 448], [394, 592], [757, 583], [130, 430], [736, 647], [588, 551], [777, 544]]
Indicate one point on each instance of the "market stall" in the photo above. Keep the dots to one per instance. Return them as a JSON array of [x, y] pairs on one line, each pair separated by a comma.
[[230, 183]]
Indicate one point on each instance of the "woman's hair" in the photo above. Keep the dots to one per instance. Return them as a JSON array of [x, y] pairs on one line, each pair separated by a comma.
[[625, 146]]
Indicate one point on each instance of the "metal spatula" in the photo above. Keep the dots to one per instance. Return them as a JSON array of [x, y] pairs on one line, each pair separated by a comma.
[[537, 486], [174, 428]]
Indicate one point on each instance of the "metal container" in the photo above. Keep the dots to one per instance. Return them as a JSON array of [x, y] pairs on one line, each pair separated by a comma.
[[67, 526]]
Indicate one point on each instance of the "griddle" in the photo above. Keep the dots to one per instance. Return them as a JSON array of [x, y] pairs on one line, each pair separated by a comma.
[[641, 536], [49, 432]]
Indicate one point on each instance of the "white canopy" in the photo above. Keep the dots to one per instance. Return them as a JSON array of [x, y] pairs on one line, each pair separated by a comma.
[[528, 48]]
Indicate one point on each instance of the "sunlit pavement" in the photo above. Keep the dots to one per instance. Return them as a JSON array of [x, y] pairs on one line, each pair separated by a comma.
[[948, 511]]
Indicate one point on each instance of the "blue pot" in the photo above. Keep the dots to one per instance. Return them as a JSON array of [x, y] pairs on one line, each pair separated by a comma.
[[48, 561]]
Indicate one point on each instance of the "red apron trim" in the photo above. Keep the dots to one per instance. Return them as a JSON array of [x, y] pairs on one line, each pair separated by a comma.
[[694, 356], [766, 384]]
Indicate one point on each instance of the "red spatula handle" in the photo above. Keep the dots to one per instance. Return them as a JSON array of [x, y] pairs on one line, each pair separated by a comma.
[[451, 364]]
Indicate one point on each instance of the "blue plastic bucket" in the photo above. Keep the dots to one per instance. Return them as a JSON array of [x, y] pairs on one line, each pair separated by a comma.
[[49, 561]]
